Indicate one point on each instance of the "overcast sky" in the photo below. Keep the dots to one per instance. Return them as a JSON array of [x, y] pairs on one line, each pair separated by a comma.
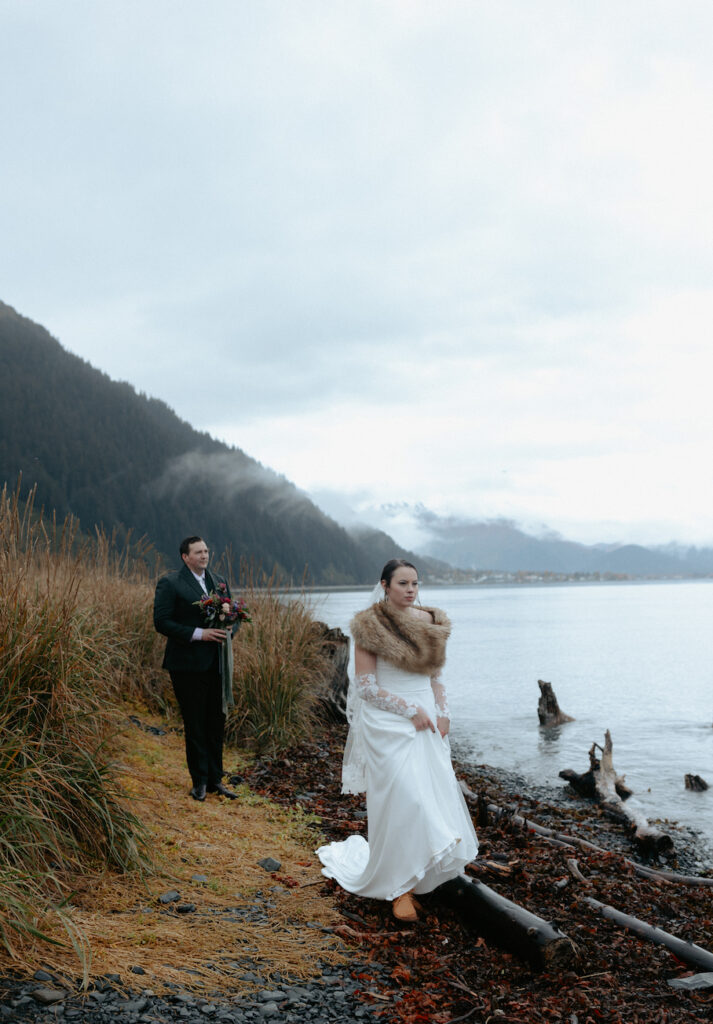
[[455, 253]]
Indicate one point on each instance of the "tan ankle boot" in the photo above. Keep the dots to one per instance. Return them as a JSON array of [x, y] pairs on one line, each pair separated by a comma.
[[404, 908]]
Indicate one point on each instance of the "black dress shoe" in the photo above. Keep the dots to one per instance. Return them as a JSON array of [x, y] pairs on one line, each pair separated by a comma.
[[198, 792], [220, 789]]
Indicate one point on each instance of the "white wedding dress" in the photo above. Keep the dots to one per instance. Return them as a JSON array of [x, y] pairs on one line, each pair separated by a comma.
[[420, 830]]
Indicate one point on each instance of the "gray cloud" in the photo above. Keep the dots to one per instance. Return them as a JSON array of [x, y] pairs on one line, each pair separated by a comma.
[[303, 223]]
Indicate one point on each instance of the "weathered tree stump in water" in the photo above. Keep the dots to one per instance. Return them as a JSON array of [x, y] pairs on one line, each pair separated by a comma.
[[696, 783], [586, 783], [606, 785], [508, 925], [333, 695], [548, 710]]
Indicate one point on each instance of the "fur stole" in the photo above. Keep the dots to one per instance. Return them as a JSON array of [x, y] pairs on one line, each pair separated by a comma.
[[409, 643]]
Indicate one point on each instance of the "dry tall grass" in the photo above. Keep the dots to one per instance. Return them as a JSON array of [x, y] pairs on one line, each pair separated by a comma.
[[62, 806], [77, 640], [279, 668]]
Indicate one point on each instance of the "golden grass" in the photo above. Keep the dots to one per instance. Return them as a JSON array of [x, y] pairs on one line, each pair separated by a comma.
[[123, 924], [77, 640], [280, 666]]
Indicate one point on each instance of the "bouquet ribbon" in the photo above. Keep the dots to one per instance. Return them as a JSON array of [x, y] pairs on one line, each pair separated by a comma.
[[226, 672]]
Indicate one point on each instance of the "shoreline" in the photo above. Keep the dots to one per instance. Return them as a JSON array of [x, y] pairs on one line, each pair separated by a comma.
[[694, 852], [515, 580], [439, 969], [444, 955]]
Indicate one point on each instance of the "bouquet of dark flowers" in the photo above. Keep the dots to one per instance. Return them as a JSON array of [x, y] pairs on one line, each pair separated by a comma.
[[220, 611]]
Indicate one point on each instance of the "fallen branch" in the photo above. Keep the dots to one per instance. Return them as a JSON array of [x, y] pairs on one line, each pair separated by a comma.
[[565, 840], [664, 875], [648, 839], [575, 872], [493, 867], [508, 925], [687, 952]]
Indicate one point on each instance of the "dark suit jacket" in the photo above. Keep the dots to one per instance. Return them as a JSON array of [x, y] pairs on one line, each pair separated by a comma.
[[176, 616]]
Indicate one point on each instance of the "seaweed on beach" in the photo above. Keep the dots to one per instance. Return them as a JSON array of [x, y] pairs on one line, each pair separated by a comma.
[[442, 970]]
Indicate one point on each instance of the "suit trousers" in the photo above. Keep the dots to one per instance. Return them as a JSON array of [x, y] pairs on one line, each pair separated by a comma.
[[199, 696]]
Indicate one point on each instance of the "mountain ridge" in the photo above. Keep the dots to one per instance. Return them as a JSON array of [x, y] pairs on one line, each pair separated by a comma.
[[109, 455], [502, 545], [99, 450]]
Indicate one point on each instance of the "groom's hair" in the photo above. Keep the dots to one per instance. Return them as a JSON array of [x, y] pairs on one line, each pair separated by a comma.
[[186, 544]]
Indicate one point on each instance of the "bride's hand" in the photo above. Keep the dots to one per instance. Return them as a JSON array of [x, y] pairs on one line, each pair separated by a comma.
[[421, 721], [444, 725]]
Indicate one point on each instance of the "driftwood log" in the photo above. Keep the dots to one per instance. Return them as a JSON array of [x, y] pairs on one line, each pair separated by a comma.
[[586, 783], [508, 925], [332, 697], [496, 917], [687, 952], [607, 791], [548, 710], [565, 840]]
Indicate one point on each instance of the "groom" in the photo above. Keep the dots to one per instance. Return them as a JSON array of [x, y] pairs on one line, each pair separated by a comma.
[[193, 661]]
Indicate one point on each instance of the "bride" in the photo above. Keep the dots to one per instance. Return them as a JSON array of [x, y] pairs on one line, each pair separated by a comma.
[[420, 831]]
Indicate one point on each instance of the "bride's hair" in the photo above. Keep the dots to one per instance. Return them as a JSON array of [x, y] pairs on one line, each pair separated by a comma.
[[392, 565]]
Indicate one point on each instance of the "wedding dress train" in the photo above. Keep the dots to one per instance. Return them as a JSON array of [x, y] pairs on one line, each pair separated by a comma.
[[420, 830]]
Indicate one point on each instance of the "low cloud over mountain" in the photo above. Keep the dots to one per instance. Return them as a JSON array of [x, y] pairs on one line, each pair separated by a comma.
[[503, 545]]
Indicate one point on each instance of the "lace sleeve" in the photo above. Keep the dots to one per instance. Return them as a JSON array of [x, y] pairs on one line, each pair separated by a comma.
[[439, 693], [370, 691]]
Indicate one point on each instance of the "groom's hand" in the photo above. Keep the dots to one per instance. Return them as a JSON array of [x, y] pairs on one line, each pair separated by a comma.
[[216, 635]]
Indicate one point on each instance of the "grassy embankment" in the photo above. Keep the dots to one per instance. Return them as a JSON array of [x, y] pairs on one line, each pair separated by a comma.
[[94, 819]]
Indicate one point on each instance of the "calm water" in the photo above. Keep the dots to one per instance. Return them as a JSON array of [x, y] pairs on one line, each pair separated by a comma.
[[634, 658]]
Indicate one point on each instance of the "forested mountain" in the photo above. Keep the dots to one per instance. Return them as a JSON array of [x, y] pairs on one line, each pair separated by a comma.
[[104, 453]]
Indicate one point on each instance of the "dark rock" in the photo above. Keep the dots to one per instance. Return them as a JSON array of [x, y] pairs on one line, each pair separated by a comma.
[[269, 864], [185, 908], [134, 1005], [137, 970], [168, 897], [332, 697], [43, 976], [298, 992], [47, 996]]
